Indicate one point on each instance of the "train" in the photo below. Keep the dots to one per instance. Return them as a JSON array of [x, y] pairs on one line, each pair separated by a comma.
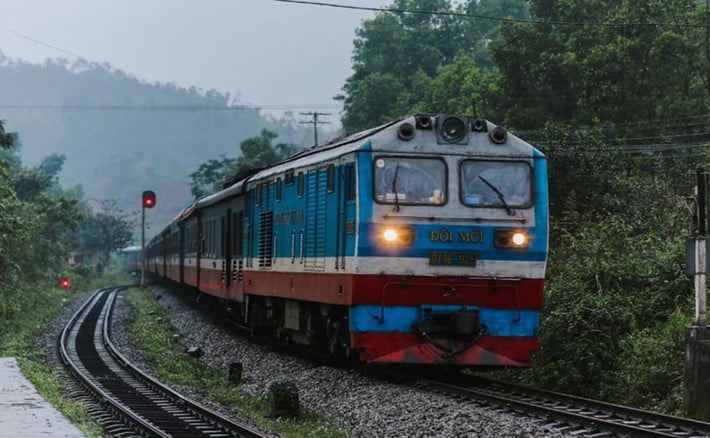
[[420, 241], [131, 257]]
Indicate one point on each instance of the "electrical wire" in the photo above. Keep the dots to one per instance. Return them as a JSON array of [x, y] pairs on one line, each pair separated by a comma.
[[485, 17], [283, 107], [34, 40]]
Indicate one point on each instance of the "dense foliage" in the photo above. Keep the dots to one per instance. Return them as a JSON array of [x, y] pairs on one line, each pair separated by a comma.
[[39, 222], [602, 60], [616, 94], [405, 62]]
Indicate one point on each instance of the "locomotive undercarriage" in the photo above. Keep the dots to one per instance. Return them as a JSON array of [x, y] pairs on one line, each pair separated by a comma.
[[322, 326]]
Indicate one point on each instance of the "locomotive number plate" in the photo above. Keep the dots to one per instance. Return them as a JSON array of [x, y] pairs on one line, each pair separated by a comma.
[[452, 258]]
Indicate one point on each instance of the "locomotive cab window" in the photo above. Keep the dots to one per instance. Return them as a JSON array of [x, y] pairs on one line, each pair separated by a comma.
[[496, 184], [409, 180]]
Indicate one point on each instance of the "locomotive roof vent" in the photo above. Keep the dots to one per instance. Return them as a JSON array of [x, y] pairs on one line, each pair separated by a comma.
[[452, 129]]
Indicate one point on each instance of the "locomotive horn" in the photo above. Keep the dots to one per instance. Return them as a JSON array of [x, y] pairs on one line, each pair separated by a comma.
[[478, 125], [423, 122], [406, 131], [498, 135]]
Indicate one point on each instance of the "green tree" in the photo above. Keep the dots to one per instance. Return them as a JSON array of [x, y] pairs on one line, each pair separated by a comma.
[[30, 182], [603, 60], [6, 138], [398, 54], [461, 87], [105, 231], [36, 224], [210, 175], [390, 51], [257, 152]]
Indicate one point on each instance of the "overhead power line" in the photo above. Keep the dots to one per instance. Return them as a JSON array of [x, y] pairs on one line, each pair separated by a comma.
[[487, 17], [42, 43], [283, 107]]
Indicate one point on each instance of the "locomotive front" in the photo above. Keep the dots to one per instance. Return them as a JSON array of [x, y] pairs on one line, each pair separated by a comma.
[[452, 244]]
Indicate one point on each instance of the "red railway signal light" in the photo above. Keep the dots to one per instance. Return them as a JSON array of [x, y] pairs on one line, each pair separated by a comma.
[[65, 283], [148, 199]]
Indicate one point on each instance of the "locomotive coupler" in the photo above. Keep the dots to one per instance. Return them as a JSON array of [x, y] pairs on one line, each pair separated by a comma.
[[463, 324]]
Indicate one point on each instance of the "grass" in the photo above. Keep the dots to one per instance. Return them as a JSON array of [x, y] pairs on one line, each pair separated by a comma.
[[152, 333], [23, 315]]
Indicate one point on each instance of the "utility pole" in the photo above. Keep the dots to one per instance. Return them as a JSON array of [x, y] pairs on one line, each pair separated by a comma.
[[697, 349], [315, 115]]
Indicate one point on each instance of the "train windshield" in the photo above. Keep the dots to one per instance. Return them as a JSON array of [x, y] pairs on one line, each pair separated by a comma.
[[407, 180], [502, 184]]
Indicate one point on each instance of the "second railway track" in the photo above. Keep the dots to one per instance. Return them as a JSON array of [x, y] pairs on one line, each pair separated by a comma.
[[579, 416], [139, 404]]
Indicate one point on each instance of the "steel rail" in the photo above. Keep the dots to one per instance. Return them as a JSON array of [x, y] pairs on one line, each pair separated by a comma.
[[592, 415], [144, 404]]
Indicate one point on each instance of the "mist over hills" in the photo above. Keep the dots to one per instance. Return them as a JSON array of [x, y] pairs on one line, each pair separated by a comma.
[[120, 135]]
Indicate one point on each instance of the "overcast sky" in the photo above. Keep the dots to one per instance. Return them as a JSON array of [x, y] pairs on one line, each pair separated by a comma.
[[263, 51]]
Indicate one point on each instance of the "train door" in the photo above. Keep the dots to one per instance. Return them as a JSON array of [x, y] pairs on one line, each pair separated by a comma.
[[336, 185], [237, 248], [166, 247], [200, 248], [226, 223], [345, 228], [181, 251]]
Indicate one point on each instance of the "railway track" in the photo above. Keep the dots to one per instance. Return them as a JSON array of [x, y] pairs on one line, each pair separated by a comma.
[[565, 413], [137, 403]]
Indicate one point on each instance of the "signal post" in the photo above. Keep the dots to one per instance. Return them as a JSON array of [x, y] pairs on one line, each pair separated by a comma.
[[148, 201], [697, 351]]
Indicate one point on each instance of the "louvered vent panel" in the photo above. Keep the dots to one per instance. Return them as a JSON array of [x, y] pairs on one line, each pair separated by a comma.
[[266, 231]]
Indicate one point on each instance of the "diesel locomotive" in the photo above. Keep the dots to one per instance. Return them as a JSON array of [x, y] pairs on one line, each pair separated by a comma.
[[421, 241]]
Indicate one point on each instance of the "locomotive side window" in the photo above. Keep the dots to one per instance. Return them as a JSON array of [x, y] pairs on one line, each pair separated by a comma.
[[300, 185], [278, 189], [494, 184], [331, 178], [408, 180]]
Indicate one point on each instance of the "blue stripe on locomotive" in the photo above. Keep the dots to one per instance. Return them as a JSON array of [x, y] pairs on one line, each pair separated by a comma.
[[399, 319], [541, 197]]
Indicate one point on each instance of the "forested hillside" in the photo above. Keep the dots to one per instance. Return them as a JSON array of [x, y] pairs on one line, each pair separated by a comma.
[[121, 135]]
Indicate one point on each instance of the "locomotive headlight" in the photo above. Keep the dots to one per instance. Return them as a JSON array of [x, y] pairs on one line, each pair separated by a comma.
[[390, 235], [453, 129], [519, 239], [512, 239], [396, 235]]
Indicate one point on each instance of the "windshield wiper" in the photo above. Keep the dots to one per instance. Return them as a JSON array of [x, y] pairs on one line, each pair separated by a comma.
[[500, 194], [394, 187]]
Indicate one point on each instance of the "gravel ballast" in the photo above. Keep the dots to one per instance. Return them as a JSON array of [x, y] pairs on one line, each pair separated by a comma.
[[361, 406]]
